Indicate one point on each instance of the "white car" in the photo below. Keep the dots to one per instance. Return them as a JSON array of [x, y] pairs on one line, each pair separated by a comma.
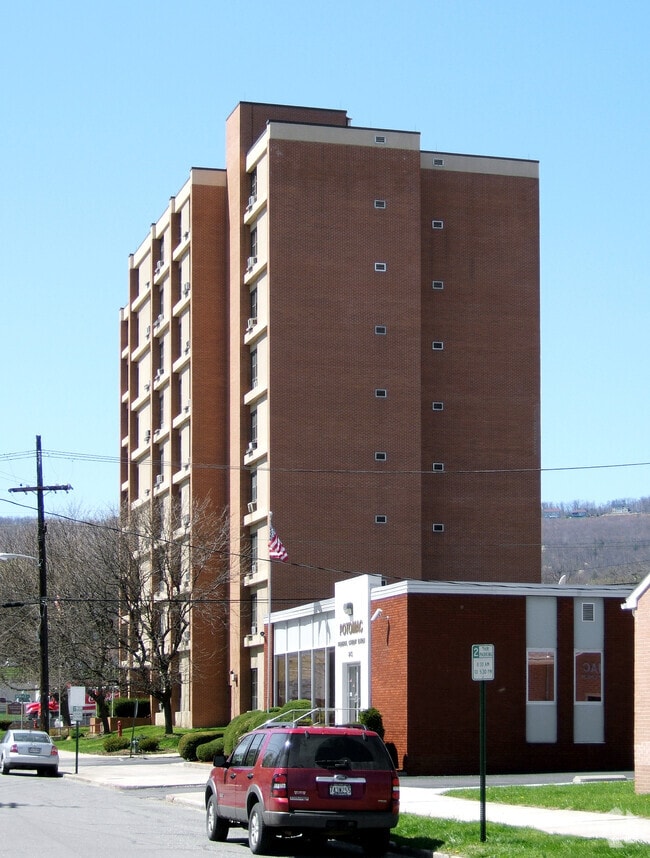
[[28, 749]]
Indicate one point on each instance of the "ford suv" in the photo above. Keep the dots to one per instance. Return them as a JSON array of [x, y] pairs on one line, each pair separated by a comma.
[[318, 782]]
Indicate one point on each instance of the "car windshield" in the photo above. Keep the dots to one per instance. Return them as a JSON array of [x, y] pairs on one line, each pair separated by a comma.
[[32, 738], [348, 752]]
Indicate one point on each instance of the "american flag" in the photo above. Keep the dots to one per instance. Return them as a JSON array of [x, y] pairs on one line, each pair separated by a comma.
[[277, 551]]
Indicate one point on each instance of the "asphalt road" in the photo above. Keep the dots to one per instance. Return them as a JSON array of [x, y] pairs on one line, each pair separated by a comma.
[[63, 817]]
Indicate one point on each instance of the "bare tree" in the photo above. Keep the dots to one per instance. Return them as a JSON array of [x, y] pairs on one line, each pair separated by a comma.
[[124, 593], [172, 571]]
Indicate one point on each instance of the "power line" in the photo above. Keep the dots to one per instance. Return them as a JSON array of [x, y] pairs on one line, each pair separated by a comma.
[[98, 458]]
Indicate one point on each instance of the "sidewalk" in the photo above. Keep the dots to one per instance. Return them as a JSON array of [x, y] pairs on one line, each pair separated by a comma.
[[171, 771]]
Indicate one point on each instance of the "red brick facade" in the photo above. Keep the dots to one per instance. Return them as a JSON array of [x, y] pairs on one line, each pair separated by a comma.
[[422, 684]]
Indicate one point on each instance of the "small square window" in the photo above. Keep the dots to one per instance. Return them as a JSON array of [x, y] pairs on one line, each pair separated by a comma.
[[380, 329], [381, 393], [438, 284], [437, 224], [380, 266], [438, 466], [438, 162], [437, 406], [437, 345], [381, 519], [380, 456], [438, 528], [380, 204], [380, 138]]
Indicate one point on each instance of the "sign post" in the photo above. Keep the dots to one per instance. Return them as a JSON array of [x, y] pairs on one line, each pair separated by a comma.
[[482, 671]]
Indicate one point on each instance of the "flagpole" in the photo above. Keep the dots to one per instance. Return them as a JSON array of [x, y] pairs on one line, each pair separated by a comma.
[[269, 631]]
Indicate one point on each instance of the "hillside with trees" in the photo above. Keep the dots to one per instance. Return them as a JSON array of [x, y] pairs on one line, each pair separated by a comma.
[[589, 544]]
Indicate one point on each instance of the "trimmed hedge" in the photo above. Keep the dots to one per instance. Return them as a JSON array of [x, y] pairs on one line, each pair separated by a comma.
[[114, 743], [148, 744], [206, 751], [372, 720], [248, 721], [125, 707], [188, 743]]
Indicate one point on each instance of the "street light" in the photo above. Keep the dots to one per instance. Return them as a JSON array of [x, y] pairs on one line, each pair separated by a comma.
[[42, 631]]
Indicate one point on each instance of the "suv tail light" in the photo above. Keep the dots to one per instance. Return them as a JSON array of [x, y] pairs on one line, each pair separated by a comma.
[[279, 786], [53, 751], [13, 749], [395, 795]]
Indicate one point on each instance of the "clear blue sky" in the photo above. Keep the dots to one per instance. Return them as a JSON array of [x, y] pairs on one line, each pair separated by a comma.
[[105, 107]]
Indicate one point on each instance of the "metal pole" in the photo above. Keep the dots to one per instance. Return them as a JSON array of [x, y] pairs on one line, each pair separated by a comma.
[[482, 762]]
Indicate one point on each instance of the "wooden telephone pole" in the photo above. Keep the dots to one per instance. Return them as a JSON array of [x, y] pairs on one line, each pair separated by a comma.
[[40, 489]]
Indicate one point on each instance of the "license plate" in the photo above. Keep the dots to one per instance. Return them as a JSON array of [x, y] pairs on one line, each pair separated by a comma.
[[340, 789], [34, 750]]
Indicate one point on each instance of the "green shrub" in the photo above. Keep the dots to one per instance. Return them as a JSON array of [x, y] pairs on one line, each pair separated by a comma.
[[148, 744], [125, 707], [206, 751], [248, 721], [5, 724], [372, 720], [115, 743], [188, 744]]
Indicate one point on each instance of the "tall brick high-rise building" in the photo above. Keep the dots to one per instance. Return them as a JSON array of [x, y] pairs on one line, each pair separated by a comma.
[[343, 329]]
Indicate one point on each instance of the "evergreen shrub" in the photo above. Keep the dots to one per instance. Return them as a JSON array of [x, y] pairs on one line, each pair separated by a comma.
[[188, 743], [114, 743], [206, 751]]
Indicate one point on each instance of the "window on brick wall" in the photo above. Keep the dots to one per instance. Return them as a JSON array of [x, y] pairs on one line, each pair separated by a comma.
[[588, 677], [540, 678]]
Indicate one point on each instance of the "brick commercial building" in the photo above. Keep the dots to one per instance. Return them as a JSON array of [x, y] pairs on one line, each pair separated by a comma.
[[559, 696], [343, 329]]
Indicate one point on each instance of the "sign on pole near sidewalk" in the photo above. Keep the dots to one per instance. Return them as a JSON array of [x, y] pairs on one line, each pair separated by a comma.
[[482, 671], [482, 662]]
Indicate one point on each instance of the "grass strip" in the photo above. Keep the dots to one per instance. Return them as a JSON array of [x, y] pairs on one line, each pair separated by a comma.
[[603, 797], [502, 841]]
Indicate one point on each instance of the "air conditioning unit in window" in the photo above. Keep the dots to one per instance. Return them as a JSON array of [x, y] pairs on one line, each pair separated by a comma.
[[158, 321], [251, 262], [252, 506], [253, 628], [159, 265], [147, 387], [186, 288], [147, 436], [148, 331], [187, 347], [250, 324], [251, 201], [186, 521], [252, 446], [186, 235], [159, 479]]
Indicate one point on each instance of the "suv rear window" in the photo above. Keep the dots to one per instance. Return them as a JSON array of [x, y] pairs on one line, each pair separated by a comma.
[[352, 753]]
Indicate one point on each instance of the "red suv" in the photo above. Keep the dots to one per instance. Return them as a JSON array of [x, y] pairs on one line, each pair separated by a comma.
[[318, 782]]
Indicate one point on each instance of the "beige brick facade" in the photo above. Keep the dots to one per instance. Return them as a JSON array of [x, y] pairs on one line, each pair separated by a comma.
[[361, 341]]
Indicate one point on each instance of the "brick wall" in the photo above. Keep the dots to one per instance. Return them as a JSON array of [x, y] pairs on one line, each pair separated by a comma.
[[422, 685]]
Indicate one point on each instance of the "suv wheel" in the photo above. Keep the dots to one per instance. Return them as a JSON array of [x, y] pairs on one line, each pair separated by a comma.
[[216, 826], [5, 767], [258, 835], [376, 843]]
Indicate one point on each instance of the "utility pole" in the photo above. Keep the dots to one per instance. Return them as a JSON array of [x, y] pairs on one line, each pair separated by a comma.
[[40, 489]]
